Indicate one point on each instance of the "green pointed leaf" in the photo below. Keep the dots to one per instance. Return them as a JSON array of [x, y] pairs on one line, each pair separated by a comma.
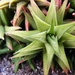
[[45, 62], [51, 16], [29, 57], [1, 32], [67, 37], [39, 36], [41, 25], [20, 35], [31, 64], [26, 53], [9, 43], [62, 65], [69, 44], [36, 10], [30, 49], [61, 12], [30, 19], [61, 29], [29, 53], [4, 50], [0, 21], [4, 17], [16, 65], [62, 56], [71, 30], [52, 28], [35, 45], [11, 28], [47, 58]]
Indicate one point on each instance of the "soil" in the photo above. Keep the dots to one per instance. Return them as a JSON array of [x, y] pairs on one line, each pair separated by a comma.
[[7, 68]]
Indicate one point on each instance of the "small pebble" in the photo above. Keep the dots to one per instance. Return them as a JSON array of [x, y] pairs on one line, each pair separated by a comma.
[[7, 68]]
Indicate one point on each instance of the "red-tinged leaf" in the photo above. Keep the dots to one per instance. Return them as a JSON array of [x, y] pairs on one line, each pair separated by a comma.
[[29, 18], [27, 25], [61, 64], [19, 7], [61, 12], [16, 19]]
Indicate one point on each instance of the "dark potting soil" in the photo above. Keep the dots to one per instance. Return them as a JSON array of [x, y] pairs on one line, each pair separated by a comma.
[[7, 68]]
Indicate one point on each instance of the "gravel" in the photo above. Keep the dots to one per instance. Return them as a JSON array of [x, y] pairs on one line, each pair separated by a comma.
[[7, 68]]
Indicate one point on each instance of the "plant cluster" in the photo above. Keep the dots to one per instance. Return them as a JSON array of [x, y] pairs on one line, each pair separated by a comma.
[[28, 27]]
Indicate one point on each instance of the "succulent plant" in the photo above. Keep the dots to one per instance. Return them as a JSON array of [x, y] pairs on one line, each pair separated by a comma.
[[49, 32]]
